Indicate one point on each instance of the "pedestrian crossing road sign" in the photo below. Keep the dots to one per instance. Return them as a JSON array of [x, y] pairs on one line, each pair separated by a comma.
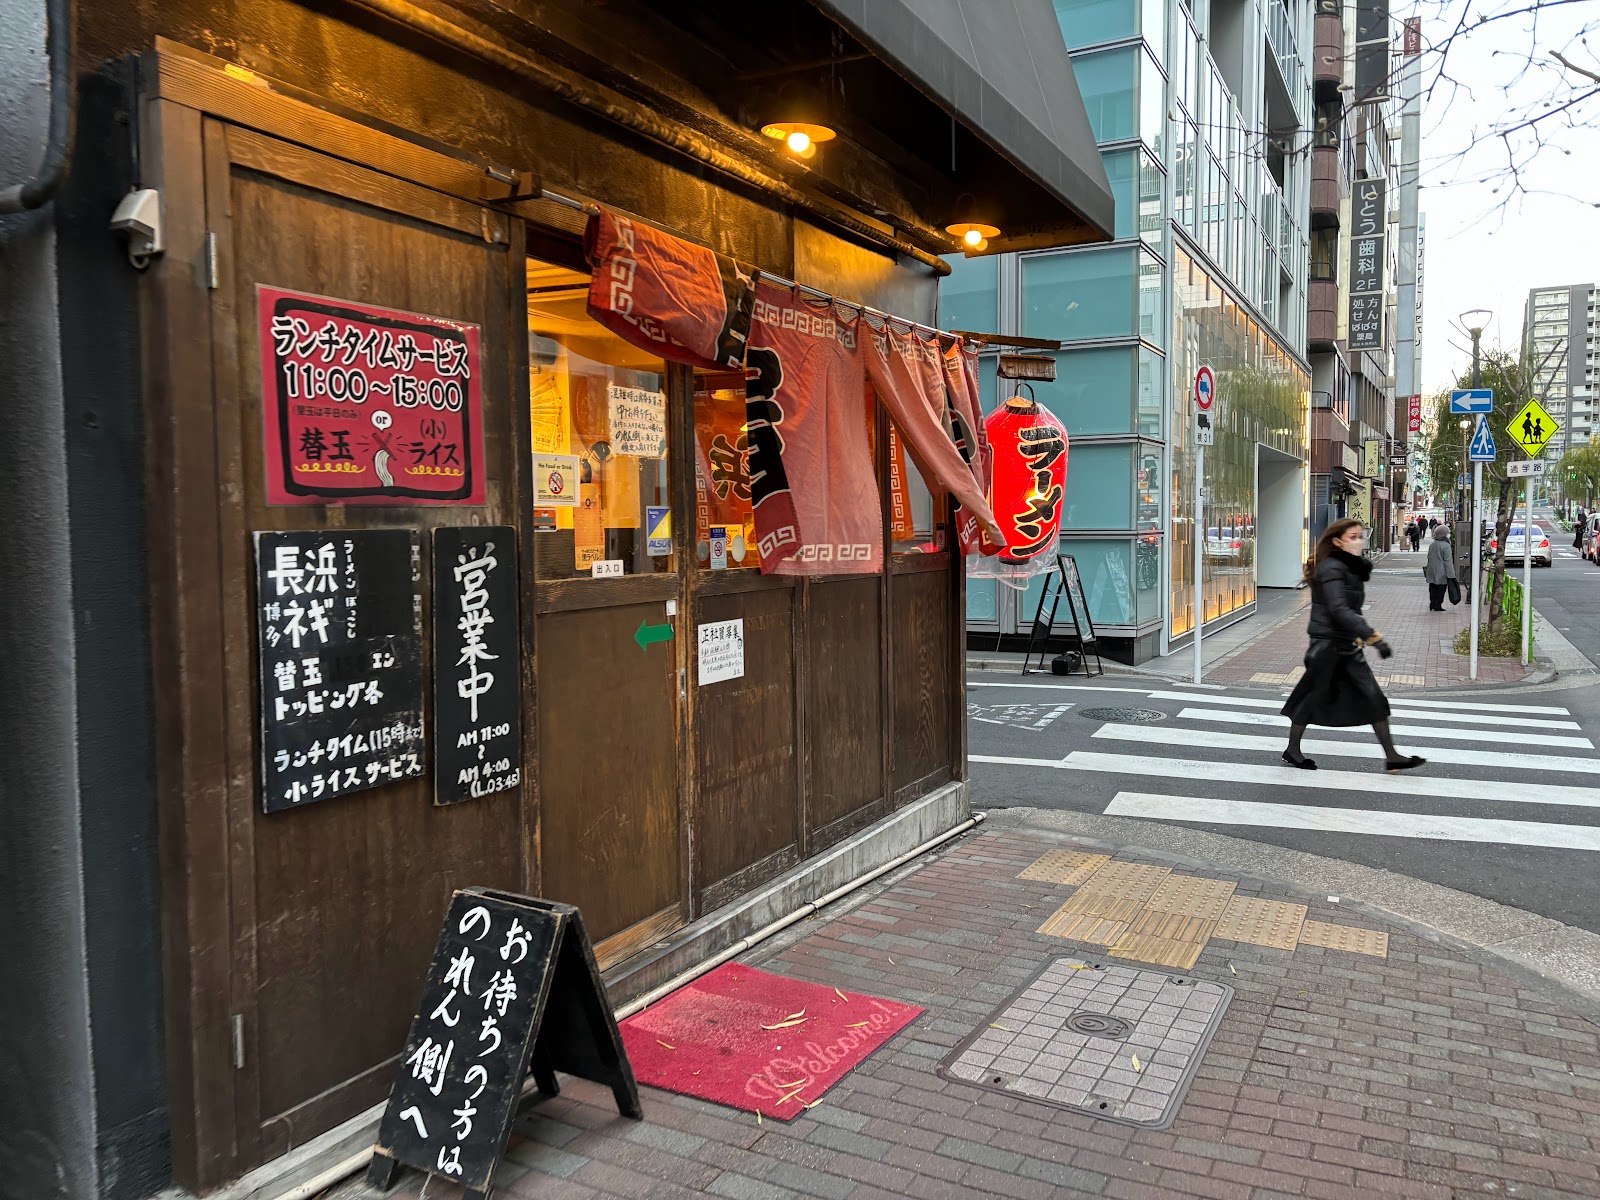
[[1482, 448], [1532, 428]]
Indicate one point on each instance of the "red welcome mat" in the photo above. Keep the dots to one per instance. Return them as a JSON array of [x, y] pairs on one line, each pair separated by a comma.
[[757, 1041]]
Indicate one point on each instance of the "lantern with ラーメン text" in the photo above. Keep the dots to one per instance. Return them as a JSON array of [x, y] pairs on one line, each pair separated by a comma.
[[1029, 447]]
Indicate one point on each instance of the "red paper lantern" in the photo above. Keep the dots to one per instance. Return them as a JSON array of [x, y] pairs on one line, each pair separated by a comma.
[[1030, 476]]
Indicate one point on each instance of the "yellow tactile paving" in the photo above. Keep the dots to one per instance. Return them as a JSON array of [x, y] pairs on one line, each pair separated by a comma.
[[1164, 952], [1103, 904], [1271, 923], [1345, 937], [1065, 866], [1083, 927], [1126, 880], [1192, 896]]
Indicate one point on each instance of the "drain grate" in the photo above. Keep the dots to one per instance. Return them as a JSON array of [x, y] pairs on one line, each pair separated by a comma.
[[1123, 714], [1106, 1040]]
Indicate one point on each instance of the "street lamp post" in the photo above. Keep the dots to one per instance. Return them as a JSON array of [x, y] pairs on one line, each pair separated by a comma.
[[1476, 321]]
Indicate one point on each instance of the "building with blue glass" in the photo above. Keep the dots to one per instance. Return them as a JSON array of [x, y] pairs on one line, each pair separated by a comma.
[[1203, 113]]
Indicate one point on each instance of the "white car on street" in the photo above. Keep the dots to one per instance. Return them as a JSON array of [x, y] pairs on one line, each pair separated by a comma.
[[1517, 545]]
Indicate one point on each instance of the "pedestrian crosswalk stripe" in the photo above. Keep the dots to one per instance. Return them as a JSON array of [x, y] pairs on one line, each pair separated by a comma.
[[1414, 731], [1462, 706], [1208, 739], [1411, 784], [1348, 820], [1005, 761], [1399, 702], [1058, 687]]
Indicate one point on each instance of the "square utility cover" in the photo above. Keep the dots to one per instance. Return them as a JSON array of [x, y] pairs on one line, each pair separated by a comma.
[[1070, 1038]]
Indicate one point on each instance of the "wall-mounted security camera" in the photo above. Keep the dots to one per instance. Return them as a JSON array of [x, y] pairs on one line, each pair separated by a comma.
[[139, 216]]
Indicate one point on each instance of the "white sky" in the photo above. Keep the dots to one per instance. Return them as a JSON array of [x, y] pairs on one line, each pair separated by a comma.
[[1482, 252]]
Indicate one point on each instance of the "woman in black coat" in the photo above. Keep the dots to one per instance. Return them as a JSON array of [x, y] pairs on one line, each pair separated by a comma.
[[1338, 688]]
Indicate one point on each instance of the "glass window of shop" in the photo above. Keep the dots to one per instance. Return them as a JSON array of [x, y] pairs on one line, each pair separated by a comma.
[[600, 434], [1124, 93], [1107, 389], [1121, 581], [969, 297], [1136, 188], [1093, 22], [1099, 493], [1264, 396], [1087, 294]]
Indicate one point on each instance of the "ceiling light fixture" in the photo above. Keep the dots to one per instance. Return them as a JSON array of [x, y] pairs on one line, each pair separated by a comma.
[[801, 138], [968, 228]]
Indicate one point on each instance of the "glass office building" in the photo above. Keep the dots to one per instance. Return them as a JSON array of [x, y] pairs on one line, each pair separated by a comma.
[[1209, 266]]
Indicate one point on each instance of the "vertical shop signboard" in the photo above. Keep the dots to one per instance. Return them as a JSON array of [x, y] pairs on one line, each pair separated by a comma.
[[365, 405], [340, 633], [1372, 51], [1368, 225], [477, 696]]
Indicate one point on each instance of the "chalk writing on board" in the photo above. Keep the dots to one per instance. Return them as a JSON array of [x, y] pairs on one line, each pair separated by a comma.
[[340, 638], [477, 697], [513, 990]]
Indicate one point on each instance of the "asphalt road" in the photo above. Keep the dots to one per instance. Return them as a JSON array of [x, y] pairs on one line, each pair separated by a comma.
[[1568, 594], [1507, 808]]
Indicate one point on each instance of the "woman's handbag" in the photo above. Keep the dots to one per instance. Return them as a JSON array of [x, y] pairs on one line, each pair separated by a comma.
[[1454, 588]]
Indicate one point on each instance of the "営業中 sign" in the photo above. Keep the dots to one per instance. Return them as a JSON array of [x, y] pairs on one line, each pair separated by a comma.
[[340, 631], [720, 651], [477, 693], [513, 990], [365, 405]]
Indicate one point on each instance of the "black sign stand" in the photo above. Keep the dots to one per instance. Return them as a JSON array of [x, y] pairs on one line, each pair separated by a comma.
[[1066, 583], [520, 970]]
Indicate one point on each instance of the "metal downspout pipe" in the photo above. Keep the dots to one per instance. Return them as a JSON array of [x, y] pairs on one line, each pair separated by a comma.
[[37, 192]]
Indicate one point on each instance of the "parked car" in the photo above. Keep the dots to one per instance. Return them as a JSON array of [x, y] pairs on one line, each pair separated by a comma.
[[1591, 534], [1517, 545]]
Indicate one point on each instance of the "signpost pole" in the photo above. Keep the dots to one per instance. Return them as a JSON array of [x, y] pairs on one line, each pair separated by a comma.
[[1527, 575], [1199, 555], [1477, 540], [1205, 396]]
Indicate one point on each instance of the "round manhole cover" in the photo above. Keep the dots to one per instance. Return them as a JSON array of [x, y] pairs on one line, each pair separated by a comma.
[[1123, 714], [1102, 1025]]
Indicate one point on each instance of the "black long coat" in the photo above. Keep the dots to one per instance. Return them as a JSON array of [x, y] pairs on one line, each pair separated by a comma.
[[1338, 688]]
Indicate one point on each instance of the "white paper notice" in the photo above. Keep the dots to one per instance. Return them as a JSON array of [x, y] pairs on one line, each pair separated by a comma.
[[721, 651], [638, 422]]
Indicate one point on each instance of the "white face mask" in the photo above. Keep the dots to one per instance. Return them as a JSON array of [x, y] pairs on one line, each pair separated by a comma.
[[1352, 542]]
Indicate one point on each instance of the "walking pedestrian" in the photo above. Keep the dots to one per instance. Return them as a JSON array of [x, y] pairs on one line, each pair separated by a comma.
[[1440, 571], [1414, 535], [1338, 688], [1577, 529], [1433, 523]]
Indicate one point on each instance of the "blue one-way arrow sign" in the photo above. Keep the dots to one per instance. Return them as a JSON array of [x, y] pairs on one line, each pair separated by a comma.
[[1482, 448], [1472, 400]]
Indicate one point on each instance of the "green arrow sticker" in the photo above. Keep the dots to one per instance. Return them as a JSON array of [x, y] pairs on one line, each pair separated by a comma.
[[646, 634]]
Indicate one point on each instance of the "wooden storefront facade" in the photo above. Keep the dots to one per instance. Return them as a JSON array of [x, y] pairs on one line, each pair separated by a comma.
[[352, 155]]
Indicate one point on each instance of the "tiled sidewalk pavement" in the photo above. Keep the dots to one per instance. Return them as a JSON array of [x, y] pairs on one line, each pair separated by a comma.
[[1397, 605], [1423, 1075]]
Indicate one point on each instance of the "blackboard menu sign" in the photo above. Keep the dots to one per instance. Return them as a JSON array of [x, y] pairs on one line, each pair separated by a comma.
[[477, 692], [1075, 597], [340, 624], [513, 989]]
